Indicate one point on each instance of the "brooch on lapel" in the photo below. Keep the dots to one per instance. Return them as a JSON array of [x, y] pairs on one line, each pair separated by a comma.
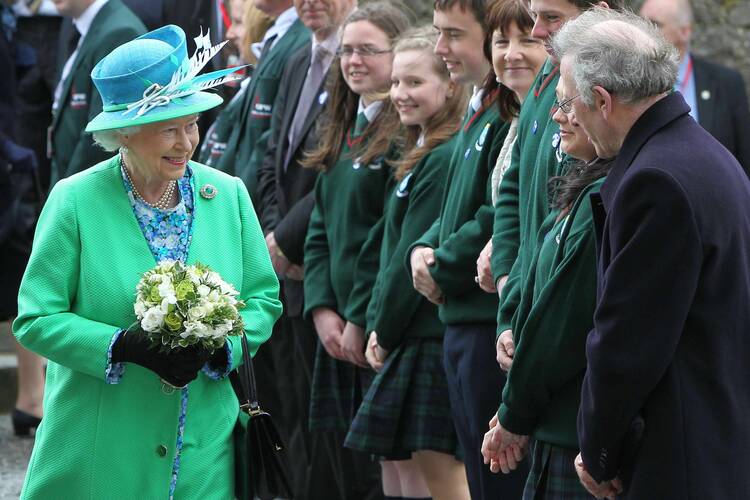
[[208, 191]]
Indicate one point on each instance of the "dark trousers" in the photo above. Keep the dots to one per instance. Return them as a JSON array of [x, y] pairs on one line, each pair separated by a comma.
[[475, 385], [320, 467]]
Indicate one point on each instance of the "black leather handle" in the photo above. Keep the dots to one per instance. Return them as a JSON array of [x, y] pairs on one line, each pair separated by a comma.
[[246, 374]]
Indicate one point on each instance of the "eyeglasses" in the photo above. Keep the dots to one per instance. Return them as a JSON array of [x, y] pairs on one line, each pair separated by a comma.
[[361, 51], [566, 106]]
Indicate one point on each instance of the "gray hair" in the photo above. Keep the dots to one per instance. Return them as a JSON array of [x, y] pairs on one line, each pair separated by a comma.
[[111, 140], [618, 51]]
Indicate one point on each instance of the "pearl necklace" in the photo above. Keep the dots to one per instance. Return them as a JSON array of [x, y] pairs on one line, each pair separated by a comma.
[[164, 201]]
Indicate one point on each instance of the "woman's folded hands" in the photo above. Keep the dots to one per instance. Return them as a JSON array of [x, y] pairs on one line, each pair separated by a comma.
[[177, 367]]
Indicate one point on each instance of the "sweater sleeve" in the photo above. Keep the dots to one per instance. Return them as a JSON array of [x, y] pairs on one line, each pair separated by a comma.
[[398, 300], [551, 348], [365, 275], [260, 288], [456, 257], [45, 323], [317, 283]]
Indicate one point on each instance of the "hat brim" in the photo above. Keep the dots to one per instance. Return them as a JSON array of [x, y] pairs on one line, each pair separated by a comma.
[[187, 105]]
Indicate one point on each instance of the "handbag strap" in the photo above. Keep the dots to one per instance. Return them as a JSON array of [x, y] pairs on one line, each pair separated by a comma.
[[249, 400]]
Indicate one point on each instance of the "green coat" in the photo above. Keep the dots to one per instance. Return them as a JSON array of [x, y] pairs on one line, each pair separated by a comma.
[[555, 315], [465, 222], [72, 149], [523, 199], [118, 441], [247, 142]]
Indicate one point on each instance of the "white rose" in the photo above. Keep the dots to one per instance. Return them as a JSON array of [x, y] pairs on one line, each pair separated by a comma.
[[155, 278], [139, 308], [197, 312], [153, 319], [166, 290], [203, 290], [213, 296], [195, 328]]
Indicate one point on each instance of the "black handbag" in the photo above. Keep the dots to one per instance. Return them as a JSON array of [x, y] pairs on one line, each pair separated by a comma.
[[259, 466]]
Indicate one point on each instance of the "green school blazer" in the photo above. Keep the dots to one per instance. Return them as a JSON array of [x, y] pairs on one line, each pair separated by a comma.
[[100, 440]]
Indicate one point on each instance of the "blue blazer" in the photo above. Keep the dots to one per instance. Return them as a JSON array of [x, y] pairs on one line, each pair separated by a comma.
[[671, 342]]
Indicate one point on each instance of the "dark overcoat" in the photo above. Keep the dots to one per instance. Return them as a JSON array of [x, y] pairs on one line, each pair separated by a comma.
[[671, 339]]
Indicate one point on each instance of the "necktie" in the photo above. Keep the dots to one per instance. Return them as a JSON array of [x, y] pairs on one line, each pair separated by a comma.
[[266, 48], [72, 45], [360, 124], [314, 79]]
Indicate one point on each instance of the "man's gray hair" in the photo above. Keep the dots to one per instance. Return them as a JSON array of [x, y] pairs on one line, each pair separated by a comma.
[[111, 140], [619, 51]]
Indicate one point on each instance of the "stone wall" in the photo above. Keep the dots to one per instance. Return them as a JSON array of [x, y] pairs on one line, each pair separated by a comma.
[[721, 33]]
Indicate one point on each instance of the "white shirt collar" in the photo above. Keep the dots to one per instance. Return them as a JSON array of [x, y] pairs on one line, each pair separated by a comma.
[[476, 99], [371, 110], [279, 28], [83, 23], [420, 140]]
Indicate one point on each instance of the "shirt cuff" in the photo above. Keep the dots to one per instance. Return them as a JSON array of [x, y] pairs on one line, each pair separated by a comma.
[[221, 371], [114, 371]]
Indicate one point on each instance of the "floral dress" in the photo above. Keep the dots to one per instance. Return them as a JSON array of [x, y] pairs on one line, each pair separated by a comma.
[[168, 234]]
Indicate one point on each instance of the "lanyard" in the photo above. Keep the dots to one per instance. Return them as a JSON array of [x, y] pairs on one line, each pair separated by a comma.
[[688, 75]]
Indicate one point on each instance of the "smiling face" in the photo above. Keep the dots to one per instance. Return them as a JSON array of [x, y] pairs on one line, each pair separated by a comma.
[[573, 140], [322, 16], [366, 74], [160, 151], [517, 57], [417, 89], [549, 16], [460, 41]]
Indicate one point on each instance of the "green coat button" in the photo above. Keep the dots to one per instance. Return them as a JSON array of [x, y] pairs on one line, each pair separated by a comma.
[[161, 450]]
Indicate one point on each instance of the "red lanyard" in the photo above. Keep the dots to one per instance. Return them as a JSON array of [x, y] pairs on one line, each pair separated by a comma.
[[225, 16], [546, 81], [485, 104], [688, 74]]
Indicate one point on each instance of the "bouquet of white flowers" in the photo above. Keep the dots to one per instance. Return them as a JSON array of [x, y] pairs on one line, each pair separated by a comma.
[[179, 306]]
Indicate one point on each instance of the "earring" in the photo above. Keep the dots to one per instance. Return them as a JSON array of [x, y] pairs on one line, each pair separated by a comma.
[[497, 79], [124, 149]]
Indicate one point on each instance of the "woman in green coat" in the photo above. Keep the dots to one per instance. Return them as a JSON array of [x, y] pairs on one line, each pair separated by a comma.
[[111, 428]]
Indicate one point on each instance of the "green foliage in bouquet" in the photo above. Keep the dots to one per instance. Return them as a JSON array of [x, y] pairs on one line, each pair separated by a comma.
[[179, 306]]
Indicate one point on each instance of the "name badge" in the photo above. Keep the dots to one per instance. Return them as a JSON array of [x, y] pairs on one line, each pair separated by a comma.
[[78, 100]]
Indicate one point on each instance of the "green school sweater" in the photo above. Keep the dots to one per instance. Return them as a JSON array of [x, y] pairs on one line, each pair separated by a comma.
[[396, 310], [523, 199], [349, 200], [555, 314], [247, 142], [465, 222]]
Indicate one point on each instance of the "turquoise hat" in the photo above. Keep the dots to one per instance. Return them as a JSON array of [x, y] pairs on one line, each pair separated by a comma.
[[151, 79]]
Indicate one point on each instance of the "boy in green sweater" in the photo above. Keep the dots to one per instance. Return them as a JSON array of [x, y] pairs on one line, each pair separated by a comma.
[[523, 201], [442, 261]]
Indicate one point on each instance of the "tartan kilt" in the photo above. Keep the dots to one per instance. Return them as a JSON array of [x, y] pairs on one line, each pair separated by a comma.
[[336, 393], [407, 407], [553, 475]]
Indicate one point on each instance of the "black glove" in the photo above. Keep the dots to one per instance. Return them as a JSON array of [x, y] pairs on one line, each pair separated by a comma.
[[177, 367]]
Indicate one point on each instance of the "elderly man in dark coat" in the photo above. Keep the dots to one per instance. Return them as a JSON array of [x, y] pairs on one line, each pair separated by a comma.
[[665, 402]]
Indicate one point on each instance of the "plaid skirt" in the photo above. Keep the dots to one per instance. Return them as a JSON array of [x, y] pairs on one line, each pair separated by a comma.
[[553, 475], [337, 389], [407, 407]]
